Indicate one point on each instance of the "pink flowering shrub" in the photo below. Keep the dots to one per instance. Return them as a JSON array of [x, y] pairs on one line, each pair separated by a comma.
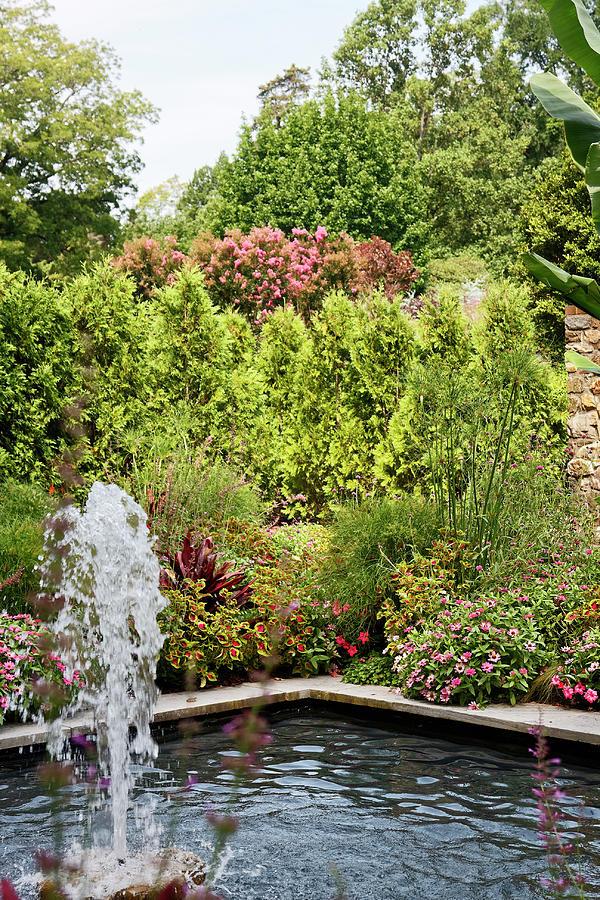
[[24, 661], [578, 677], [151, 262], [471, 652], [262, 270]]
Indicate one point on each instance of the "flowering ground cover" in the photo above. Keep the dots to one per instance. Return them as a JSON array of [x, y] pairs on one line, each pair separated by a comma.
[[26, 659]]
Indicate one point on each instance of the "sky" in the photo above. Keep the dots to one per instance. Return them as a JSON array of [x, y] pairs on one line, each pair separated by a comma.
[[201, 62]]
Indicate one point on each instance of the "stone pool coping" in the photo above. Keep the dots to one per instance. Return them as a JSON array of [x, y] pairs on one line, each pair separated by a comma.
[[563, 724]]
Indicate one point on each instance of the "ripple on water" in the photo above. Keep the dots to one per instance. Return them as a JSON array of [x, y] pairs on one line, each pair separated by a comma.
[[390, 816]]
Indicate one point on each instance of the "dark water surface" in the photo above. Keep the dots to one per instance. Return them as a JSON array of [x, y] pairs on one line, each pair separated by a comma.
[[384, 815]]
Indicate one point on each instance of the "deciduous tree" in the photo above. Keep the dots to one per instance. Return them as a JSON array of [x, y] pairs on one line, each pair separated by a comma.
[[67, 141]]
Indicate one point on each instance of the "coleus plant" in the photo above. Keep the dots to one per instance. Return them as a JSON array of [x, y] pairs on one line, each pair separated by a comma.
[[198, 562]]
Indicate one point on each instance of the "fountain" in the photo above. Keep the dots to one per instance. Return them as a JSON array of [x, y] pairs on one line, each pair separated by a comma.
[[101, 562]]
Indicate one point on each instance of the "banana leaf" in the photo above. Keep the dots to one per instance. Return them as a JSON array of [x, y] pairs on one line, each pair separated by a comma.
[[592, 180], [576, 33], [582, 292], [582, 362], [582, 124]]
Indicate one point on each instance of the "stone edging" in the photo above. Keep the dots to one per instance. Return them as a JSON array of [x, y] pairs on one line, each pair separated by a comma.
[[563, 724]]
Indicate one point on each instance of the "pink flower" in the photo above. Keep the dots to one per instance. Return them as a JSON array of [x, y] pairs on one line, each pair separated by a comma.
[[469, 671], [590, 695], [487, 667]]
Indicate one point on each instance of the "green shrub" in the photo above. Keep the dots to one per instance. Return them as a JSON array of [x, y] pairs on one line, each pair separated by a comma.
[[373, 670], [445, 331], [37, 376], [23, 508], [111, 357], [349, 376], [367, 540], [455, 270], [506, 323], [188, 492], [191, 358]]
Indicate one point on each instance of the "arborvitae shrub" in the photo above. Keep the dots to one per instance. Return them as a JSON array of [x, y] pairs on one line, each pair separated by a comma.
[[37, 378]]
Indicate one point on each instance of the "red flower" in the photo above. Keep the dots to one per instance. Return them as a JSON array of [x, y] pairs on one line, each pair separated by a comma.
[[351, 650], [7, 891], [363, 637]]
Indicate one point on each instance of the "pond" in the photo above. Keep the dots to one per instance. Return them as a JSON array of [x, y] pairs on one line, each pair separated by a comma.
[[339, 808]]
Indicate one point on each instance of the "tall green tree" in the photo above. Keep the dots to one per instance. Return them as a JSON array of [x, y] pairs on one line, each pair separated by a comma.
[[377, 52], [332, 162], [67, 141], [283, 92]]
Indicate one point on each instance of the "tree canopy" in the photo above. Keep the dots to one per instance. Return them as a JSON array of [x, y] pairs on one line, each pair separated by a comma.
[[67, 141], [331, 162]]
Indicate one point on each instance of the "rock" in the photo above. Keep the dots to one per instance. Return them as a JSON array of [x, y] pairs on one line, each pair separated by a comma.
[[99, 875], [575, 384], [588, 400], [577, 323], [579, 468], [589, 450], [583, 423]]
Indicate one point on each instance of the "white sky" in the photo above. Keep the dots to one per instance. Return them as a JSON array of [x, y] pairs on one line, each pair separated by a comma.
[[201, 62]]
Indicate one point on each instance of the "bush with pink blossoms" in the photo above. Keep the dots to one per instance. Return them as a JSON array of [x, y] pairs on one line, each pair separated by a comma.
[[25, 661], [262, 270], [578, 676], [471, 652], [152, 262]]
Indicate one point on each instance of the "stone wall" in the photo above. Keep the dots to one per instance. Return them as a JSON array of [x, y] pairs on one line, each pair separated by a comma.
[[582, 334]]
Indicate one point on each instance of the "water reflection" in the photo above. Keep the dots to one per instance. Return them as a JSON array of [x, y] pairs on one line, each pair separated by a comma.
[[398, 816]]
